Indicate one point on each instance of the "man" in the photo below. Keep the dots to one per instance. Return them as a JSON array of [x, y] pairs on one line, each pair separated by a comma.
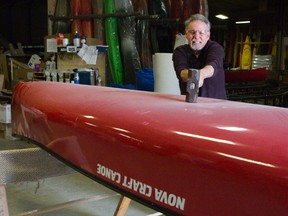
[[203, 54]]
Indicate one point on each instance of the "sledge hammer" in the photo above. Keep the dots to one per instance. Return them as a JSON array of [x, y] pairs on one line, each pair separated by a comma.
[[192, 85]]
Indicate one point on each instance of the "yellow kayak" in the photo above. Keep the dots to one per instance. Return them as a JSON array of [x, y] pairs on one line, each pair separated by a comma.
[[246, 58]]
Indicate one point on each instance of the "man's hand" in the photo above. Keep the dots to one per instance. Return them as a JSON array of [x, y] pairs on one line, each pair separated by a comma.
[[205, 72], [201, 79]]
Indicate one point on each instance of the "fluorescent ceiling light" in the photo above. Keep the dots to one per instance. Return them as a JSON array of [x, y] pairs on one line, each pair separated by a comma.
[[243, 22], [221, 16]]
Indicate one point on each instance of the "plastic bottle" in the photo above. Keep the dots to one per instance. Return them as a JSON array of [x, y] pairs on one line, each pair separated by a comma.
[[76, 40], [53, 63], [76, 77]]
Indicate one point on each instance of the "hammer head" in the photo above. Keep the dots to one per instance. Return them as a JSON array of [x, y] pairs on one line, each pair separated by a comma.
[[192, 85]]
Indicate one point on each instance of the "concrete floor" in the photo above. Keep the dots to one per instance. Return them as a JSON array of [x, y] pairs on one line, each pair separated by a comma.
[[35, 188]]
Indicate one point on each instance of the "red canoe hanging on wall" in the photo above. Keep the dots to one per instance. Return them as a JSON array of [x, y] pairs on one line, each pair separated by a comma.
[[76, 25], [214, 157], [87, 24], [191, 7]]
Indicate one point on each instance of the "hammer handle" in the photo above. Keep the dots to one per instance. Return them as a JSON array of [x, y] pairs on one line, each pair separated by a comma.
[[192, 85]]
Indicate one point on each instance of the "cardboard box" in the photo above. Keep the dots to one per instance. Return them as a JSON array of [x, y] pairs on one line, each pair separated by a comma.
[[23, 75], [6, 132], [1, 81], [20, 71], [5, 113], [4, 69]]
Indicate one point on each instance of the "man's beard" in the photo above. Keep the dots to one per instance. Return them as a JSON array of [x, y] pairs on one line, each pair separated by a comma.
[[195, 47]]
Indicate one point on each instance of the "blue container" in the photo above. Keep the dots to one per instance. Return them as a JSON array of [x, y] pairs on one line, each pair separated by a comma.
[[86, 76], [145, 80]]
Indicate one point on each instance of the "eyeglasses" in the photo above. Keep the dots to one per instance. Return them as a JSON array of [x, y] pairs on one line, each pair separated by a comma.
[[194, 32]]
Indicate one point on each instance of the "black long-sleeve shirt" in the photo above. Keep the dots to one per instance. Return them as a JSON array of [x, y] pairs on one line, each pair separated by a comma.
[[212, 54]]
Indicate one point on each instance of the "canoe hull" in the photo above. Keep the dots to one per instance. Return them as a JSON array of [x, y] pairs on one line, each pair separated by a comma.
[[214, 157]]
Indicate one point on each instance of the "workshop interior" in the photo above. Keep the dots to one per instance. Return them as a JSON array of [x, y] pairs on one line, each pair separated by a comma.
[[93, 122]]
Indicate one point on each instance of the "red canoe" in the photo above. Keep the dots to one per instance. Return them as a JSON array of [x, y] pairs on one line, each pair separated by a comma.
[[214, 157], [254, 75]]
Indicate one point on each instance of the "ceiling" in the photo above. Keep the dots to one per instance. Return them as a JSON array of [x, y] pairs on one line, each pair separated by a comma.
[[265, 15], [262, 12], [235, 9], [243, 9], [231, 8]]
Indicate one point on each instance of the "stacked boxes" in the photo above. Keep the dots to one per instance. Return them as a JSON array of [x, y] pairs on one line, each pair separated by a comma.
[[5, 113]]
